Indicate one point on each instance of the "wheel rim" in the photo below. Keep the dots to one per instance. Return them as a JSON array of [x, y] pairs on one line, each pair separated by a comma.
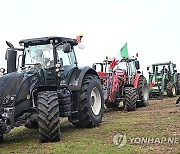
[[174, 91], [95, 101], [145, 93]]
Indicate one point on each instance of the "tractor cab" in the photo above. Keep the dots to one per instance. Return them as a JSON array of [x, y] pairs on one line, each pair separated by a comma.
[[130, 63], [103, 67], [50, 55], [131, 67]]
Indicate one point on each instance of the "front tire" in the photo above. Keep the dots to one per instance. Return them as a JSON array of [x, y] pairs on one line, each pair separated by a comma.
[[171, 89], [130, 99], [143, 91], [48, 116], [91, 105]]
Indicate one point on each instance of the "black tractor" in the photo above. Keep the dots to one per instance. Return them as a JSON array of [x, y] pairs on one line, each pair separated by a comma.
[[49, 85]]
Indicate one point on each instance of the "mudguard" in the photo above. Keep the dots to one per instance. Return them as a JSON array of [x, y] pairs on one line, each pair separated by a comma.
[[78, 75], [136, 80]]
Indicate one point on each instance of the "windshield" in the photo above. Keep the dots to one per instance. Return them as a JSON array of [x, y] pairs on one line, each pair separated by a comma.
[[41, 55], [158, 69], [122, 65]]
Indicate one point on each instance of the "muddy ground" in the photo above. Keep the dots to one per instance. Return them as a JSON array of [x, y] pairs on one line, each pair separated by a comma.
[[160, 119]]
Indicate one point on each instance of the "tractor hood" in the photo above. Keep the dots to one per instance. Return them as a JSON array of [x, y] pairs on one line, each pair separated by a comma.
[[14, 87]]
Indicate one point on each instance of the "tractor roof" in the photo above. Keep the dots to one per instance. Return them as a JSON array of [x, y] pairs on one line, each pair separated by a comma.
[[48, 40], [109, 61], [129, 59], [159, 64]]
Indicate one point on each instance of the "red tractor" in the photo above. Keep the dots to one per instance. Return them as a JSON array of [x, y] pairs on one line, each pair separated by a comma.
[[124, 86]]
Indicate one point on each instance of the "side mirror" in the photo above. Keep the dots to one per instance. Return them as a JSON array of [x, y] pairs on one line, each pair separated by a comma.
[[66, 47], [137, 65], [147, 68], [94, 66], [174, 65]]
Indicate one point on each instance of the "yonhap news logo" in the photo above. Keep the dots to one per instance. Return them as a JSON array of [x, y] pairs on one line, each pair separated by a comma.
[[121, 140]]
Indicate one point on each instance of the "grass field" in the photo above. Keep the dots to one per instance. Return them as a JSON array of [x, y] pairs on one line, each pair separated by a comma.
[[161, 119]]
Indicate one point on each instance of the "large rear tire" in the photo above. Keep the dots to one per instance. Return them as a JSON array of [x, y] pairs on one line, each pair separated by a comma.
[[91, 105], [143, 92], [171, 89], [130, 99], [48, 116]]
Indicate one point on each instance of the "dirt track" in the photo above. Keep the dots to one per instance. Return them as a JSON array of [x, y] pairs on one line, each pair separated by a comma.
[[161, 119], [155, 107]]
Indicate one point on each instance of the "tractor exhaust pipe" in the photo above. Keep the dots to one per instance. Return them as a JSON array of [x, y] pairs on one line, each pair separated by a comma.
[[11, 55]]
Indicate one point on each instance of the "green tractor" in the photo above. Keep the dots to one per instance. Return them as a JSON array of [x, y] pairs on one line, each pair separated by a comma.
[[163, 80]]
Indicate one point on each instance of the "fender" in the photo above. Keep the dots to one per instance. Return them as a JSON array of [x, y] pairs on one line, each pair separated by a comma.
[[34, 91], [136, 80], [78, 75]]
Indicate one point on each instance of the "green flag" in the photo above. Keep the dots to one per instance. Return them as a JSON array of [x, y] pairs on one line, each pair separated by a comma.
[[124, 51]]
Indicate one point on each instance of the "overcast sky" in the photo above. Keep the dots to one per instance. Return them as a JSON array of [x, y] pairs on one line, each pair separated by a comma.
[[150, 27]]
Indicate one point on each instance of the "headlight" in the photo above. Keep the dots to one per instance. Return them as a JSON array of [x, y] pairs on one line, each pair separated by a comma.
[[8, 100]]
